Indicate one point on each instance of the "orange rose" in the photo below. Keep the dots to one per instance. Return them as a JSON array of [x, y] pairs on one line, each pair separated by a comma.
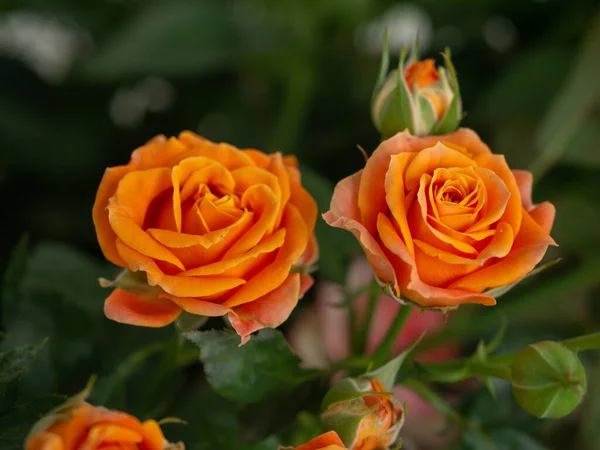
[[423, 76], [441, 219], [215, 229], [89, 427], [327, 441]]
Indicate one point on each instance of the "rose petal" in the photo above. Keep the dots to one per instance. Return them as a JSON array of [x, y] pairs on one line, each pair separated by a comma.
[[395, 197], [274, 274], [227, 155], [410, 284], [498, 165], [429, 159], [127, 211], [327, 441], [153, 436], [265, 205], [524, 180], [125, 307], [104, 232], [197, 306], [268, 245], [528, 249], [543, 214], [271, 310]]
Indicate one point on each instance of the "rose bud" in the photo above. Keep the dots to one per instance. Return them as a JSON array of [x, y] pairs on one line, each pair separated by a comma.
[[77, 425], [326, 441], [416, 96], [363, 414], [548, 380]]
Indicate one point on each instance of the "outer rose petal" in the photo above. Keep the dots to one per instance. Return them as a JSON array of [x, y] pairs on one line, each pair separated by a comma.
[[125, 307], [105, 234], [327, 441], [525, 182], [528, 250], [271, 310], [344, 213]]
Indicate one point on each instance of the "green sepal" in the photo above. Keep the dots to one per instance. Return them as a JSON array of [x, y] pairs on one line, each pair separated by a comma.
[[451, 120], [134, 282], [388, 373]]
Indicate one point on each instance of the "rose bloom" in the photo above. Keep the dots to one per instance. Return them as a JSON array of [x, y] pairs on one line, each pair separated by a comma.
[[327, 441], [441, 219], [321, 335], [89, 427], [215, 229]]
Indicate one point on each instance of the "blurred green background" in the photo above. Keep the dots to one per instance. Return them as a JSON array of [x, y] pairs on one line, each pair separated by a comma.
[[84, 83]]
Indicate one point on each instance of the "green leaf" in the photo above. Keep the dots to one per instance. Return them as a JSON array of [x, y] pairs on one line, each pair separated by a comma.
[[176, 38], [17, 360], [263, 367]]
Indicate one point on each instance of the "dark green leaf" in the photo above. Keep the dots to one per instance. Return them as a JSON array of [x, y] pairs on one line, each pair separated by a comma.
[[257, 370], [17, 360]]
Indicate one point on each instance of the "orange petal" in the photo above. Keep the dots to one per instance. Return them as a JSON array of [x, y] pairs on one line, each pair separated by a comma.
[[468, 140], [429, 159], [323, 442], [265, 205], [248, 176], [268, 245], [124, 307], [45, 441], [128, 208], [104, 232], [528, 249], [157, 152], [197, 306], [422, 230], [434, 270], [110, 433], [227, 155], [498, 197], [543, 214], [190, 174], [301, 199], [512, 211], [524, 180], [371, 190], [153, 436], [344, 213], [277, 167], [410, 284], [296, 240], [270, 310], [180, 286], [395, 195], [257, 157]]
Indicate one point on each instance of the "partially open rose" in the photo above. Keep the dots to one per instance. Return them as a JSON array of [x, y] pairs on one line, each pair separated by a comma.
[[213, 229], [88, 427], [441, 219]]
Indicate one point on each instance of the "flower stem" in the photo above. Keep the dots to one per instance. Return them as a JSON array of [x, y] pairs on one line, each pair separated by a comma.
[[363, 333], [384, 351]]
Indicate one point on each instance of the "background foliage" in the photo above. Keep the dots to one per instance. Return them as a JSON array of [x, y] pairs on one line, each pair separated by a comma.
[[85, 83]]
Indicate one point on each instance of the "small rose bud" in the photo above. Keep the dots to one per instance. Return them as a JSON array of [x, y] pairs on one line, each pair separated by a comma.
[[417, 96], [363, 414], [548, 379]]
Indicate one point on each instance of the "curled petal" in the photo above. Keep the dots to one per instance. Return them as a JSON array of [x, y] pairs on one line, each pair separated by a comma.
[[124, 307], [271, 310]]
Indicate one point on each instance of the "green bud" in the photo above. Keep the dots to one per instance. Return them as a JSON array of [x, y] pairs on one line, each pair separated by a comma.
[[548, 379], [360, 411], [417, 96]]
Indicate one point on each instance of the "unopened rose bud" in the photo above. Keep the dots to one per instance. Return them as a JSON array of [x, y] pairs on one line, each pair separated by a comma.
[[548, 379], [417, 96], [363, 414]]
